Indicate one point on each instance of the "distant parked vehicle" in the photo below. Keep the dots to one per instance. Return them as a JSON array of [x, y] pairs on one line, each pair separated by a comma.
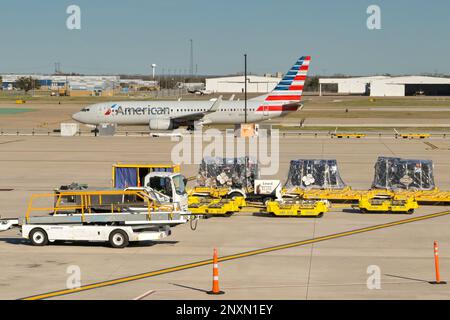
[[419, 93]]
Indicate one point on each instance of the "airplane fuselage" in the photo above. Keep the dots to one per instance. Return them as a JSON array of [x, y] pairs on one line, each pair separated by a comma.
[[166, 115], [141, 112]]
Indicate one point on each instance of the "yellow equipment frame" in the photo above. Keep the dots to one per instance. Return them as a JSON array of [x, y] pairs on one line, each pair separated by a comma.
[[302, 209], [415, 135], [347, 194], [395, 204], [348, 135], [215, 206], [86, 202]]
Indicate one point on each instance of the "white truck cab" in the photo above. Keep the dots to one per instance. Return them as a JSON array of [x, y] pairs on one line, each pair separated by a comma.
[[169, 186]]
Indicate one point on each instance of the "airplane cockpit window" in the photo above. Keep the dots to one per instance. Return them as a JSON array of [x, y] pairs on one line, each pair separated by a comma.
[[85, 110]]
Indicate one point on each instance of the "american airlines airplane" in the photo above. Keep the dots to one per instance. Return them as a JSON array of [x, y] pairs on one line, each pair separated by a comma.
[[168, 115]]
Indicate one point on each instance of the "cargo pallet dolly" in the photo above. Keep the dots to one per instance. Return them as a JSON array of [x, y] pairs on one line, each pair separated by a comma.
[[427, 197], [348, 135], [313, 209], [208, 207], [96, 216], [411, 135], [387, 204], [223, 201]]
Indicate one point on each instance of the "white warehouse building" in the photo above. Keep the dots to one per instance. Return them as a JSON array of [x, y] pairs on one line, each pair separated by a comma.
[[357, 85], [384, 86], [235, 84], [408, 86]]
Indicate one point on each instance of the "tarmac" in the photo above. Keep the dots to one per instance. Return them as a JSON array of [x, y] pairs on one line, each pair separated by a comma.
[[331, 269]]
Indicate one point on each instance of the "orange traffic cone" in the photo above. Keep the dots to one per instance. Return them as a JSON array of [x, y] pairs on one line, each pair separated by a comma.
[[215, 287], [436, 265]]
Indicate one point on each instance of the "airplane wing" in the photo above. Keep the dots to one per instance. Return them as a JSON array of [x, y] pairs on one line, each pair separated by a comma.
[[199, 115]]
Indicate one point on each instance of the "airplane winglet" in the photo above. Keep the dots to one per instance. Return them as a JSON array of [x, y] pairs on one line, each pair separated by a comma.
[[215, 105]]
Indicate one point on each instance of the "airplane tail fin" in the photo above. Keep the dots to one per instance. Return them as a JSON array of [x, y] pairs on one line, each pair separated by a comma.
[[289, 90]]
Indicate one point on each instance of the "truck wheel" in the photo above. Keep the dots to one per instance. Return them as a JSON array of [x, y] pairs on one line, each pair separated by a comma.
[[118, 239], [38, 237], [410, 211]]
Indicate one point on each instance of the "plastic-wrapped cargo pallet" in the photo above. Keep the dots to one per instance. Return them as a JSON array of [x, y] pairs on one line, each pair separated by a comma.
[[314, 174], [227, 172], [396, 173]]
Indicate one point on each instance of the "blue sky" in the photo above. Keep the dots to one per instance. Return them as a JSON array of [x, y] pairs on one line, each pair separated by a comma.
[[128, 36]]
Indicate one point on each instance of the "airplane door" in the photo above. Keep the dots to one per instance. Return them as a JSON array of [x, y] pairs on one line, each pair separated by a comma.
[[265, 111]]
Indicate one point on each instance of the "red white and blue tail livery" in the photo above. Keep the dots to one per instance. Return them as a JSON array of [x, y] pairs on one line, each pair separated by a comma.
[[288, 93]]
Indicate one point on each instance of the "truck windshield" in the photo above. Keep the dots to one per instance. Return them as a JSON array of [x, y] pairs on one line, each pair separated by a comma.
[[180, 187]]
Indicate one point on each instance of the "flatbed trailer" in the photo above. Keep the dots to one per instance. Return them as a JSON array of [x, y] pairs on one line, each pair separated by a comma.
[[345, 195], [350, 196], [124, 222], [427, 197]]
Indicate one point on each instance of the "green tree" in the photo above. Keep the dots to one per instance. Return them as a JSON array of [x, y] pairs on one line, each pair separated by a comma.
[[27, 83], [312, 84]]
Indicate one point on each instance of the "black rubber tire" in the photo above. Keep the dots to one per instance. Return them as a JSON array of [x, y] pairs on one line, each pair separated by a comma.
[[38, 237], [234, 195], [118, 239]]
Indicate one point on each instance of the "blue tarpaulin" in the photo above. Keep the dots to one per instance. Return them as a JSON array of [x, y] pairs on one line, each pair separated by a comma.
[[126, 177]]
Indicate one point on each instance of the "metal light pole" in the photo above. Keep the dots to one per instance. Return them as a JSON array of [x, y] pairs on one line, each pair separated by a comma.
[[191, 62], [245, 86]]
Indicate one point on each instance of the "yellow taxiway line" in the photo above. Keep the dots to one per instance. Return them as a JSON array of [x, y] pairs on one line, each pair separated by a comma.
[[231, 257]]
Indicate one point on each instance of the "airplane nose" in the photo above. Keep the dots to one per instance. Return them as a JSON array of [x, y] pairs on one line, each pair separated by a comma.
[[77, 117]]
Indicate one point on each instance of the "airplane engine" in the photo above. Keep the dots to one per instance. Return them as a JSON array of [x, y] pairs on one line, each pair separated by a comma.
[[161, 124]]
